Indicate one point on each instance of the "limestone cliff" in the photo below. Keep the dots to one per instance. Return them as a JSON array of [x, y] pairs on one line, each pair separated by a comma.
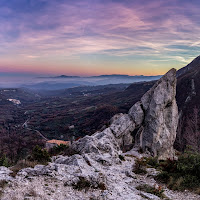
[[157, 116]]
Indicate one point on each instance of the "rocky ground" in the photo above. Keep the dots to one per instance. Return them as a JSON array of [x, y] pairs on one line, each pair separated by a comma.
[[55, 181]]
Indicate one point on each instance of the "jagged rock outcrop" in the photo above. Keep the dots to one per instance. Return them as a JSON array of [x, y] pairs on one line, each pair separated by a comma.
[[157, 131], [154, 119]]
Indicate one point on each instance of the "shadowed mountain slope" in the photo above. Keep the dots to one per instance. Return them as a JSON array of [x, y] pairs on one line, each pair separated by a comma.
[[188, 100]]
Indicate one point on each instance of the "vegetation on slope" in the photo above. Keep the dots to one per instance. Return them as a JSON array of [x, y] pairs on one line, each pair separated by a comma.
[[182, 174]]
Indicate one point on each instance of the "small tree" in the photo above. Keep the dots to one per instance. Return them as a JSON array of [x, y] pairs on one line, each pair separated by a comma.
[[40, 155], [4, 161]]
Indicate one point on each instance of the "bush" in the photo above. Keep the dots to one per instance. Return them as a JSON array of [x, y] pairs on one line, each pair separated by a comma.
[[4, 161], [152, 161], [40, 155], [140, 166], [183, 173]]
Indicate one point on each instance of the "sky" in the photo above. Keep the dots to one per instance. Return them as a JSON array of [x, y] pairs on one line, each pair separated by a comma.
[[93, 37]]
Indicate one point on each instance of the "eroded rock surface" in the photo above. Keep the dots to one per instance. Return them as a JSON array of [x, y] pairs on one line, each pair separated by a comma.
[[158, 129]]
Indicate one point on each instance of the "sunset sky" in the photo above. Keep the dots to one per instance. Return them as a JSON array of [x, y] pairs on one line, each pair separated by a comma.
[[92, 37]]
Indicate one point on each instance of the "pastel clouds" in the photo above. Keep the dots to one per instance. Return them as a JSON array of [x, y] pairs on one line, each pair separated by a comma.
[[71, 33]]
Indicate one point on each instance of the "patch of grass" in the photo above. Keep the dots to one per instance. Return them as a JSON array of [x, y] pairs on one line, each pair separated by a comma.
[[4, 161], [140, 166], [152, 161], [121, 158], [69, 151], [153, 190]]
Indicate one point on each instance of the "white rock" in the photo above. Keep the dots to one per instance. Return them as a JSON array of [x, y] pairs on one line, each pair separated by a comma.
[[5, 173]]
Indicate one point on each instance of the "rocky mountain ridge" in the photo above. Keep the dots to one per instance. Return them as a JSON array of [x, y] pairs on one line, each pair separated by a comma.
[[150, 125]]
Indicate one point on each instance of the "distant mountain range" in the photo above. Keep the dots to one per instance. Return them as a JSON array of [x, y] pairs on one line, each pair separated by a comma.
[[64, 81], [106, 76]]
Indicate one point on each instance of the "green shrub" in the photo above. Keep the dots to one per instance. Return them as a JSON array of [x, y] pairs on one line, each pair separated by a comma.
[[4, 161], [40, 155], [183, 173], [163, 177], [140, 166]]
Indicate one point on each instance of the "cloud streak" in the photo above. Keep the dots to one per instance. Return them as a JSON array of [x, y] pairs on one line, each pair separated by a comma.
[[41, 31]]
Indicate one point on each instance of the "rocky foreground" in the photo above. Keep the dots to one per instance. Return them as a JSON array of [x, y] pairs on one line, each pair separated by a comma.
[[55, 181], [104, 171]]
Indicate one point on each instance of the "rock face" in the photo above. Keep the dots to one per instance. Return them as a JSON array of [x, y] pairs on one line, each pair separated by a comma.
[[157, 130], [152, 121]]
